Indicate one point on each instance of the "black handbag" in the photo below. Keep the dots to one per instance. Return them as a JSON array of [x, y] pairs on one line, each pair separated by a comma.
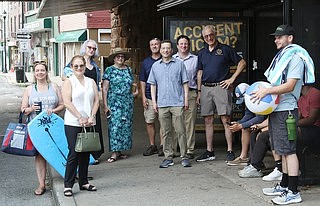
[[88, 141]]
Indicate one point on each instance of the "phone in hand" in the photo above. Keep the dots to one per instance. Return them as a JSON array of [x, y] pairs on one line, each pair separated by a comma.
[[229, 123], [108, 114]]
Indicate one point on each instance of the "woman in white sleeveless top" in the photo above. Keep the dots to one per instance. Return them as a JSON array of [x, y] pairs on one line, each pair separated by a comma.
[[81, 99]]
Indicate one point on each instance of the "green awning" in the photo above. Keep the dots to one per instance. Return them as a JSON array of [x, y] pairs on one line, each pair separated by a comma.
[[72, 36]]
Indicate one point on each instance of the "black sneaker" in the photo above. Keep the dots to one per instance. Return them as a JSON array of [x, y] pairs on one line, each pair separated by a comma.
[[190, 155], [230, 156], [206, 156], [152, 149], [160, 151]]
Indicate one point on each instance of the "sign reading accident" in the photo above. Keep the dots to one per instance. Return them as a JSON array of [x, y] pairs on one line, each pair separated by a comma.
[[230, 32]]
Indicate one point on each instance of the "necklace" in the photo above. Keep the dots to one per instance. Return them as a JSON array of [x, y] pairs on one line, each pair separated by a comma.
[[36, 86]]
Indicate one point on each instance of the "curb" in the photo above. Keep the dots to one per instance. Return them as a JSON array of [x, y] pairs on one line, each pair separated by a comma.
[[57, 190]]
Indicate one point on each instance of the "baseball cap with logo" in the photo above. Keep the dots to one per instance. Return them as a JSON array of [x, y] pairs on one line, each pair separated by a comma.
[[284, 29], [239, 92]]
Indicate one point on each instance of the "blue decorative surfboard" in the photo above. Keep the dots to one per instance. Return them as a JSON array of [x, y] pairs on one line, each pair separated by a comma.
[[48, 137]]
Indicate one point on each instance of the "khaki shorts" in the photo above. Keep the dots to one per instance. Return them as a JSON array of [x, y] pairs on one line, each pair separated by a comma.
[[215, 99], [149, 114]]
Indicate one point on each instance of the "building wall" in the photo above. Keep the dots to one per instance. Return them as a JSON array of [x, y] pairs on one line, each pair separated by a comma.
[[73, 22], [133, 25]]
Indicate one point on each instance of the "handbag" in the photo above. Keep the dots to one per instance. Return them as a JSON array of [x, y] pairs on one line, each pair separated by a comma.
[[88, 141], [17, 141]]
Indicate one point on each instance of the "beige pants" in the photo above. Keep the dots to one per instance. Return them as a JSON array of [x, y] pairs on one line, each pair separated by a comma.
[[172, 119], [190, 121]]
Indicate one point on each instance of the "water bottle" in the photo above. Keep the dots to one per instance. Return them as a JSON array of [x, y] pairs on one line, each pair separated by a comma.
[[291, 127]]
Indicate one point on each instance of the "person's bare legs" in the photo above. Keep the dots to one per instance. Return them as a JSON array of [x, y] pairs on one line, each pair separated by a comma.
[[209, 132], [151, 133], [227, 131], [245, 142], [41, 168]]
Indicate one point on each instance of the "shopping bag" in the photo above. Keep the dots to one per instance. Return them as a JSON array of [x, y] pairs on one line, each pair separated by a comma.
[[17, 141], [88, 141]]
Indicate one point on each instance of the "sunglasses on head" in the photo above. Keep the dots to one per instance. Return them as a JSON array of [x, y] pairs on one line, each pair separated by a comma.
[[39, 62]]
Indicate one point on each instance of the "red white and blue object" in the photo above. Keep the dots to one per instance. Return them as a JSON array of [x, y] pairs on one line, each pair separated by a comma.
[[266, 105]]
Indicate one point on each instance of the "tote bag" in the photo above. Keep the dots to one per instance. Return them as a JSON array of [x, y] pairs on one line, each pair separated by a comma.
[[17, 141]]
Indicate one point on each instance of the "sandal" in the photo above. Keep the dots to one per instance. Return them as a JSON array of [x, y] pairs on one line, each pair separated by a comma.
[[39, 191], [67, 192], [122, 156], [88, 187], [111, 159]]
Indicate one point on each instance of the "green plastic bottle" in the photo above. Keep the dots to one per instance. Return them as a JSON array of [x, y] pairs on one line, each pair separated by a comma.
[[291, 127]]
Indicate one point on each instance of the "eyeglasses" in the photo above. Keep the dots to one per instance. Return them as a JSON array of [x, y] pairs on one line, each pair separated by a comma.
[[211, 35], [120, 56], [39, 62], [93, 48], [78, 66]]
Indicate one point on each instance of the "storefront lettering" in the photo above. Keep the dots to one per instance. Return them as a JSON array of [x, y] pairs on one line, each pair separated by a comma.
[[227, 33]]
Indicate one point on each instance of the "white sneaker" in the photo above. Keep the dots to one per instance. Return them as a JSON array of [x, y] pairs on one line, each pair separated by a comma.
[[286, 198], [250, 172], [276, 190], [273, 176]]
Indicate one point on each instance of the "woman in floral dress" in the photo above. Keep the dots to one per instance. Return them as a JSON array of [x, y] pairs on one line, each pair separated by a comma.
[[118, 97]]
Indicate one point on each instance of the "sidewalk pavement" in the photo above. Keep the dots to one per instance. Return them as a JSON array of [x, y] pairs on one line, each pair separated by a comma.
[[138, 180]]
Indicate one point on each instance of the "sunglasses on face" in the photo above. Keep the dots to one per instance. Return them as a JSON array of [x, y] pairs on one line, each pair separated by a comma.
[[120, 56], [78, 66], [93, 48]]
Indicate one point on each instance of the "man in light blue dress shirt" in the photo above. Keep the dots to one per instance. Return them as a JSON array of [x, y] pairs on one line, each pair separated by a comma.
[[169, 81]]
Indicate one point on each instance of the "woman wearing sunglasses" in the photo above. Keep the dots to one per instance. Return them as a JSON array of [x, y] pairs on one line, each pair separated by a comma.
[[117, 96], [81, 99], [89, 50]]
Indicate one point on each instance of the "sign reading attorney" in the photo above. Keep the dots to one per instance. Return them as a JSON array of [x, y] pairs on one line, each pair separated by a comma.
[[232, 32]]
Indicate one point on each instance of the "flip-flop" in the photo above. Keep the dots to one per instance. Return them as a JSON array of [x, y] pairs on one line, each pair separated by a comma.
[[40, 191], [111, 159]]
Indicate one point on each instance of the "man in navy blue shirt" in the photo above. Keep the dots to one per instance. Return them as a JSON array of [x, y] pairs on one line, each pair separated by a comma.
[[149, 114], [213, 81]]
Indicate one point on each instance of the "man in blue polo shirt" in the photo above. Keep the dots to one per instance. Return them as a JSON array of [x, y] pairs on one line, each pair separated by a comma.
[[213, 81], [149, 114], [169, 83]]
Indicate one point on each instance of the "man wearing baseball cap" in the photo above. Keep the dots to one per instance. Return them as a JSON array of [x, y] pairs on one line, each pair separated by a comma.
[[289, 70]]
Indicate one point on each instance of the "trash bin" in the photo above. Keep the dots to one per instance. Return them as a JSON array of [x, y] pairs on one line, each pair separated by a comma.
[[20, 75]]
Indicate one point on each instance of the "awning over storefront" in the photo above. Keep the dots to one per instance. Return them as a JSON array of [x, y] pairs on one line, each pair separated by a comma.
[[72, 36], [38, 25], [62, 7]]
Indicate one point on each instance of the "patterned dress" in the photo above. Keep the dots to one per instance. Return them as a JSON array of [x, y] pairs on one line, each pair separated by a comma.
[[120, 102]]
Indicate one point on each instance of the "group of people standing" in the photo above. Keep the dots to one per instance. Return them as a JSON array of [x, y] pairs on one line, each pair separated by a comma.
[[172, 87]]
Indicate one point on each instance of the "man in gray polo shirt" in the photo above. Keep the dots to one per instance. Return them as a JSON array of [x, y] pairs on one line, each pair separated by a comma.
[[169, 81]]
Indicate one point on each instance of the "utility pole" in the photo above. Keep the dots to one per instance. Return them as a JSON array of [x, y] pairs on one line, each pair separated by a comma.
[[4, 15]]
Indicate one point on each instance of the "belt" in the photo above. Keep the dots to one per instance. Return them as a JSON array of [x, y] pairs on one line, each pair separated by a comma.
[[192, 89], [210, 84]]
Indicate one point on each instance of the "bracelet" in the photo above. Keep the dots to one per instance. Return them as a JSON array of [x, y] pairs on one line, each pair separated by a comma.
[[93, 115], [199, 90]]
